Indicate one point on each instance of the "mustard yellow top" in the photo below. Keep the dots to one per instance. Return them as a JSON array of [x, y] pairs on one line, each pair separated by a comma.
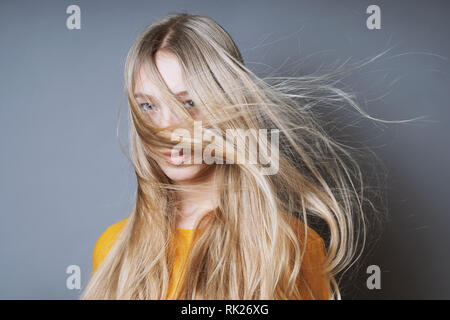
[[312, 261]]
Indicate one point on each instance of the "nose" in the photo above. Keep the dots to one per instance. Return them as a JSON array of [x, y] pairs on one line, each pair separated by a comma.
[[166, 117]]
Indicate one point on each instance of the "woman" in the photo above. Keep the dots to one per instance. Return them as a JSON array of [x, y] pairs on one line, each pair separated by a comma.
[[226, 229]]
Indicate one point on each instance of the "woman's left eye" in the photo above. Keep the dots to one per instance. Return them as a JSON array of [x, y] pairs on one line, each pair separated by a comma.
[[189, 103]]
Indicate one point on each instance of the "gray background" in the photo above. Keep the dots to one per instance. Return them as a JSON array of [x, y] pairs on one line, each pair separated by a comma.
[[64, 179]]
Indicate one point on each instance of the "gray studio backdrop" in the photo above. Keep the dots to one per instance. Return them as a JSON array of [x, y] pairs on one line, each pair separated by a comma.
[[64, 179]]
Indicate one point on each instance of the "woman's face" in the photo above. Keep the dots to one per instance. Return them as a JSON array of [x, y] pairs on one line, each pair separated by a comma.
[[162, 115]]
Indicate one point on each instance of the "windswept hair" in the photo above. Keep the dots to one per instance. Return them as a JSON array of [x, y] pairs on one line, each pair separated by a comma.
[[249, 249]]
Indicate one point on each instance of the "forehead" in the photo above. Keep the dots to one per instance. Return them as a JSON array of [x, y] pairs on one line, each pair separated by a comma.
[[170, 70]]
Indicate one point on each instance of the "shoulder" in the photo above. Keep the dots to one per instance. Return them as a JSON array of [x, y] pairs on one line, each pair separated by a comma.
[[315, 249], [105, 242], [305, 232], [315, 283]]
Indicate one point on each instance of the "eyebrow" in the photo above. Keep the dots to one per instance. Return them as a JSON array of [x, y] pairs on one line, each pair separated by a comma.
[[177, 94]]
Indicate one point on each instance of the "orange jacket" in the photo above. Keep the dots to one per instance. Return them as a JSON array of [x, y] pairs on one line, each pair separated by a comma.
[[311, 266]]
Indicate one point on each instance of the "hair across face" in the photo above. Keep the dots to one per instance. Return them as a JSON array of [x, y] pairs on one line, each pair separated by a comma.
[[162, 115]]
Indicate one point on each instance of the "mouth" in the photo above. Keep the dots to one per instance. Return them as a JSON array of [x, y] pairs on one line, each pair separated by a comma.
[[169, 152], [176, 159]]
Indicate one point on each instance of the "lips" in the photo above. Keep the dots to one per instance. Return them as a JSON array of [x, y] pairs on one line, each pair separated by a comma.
[[169, 153], [177, 159]]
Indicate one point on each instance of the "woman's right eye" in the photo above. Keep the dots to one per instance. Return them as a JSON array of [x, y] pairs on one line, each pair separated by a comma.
[[146, 107]]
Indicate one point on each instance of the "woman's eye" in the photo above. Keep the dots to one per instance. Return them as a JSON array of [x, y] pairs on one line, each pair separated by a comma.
[[146, 107], [189, 103]]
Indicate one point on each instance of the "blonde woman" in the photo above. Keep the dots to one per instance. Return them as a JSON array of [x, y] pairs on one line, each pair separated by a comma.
[[226, 229]]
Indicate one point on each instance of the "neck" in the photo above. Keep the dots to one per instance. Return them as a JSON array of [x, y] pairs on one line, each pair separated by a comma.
[[195, 200]]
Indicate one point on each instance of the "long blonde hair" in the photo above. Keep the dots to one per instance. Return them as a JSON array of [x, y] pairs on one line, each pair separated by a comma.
[[249, 249]]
